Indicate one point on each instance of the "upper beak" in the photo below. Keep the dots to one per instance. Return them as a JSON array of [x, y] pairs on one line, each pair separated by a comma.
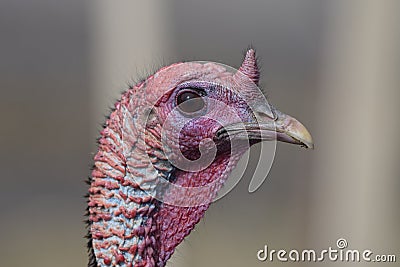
[[282, 128]]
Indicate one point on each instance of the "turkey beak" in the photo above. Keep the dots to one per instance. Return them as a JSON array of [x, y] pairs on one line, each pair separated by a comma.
[[288, 130], [270, 125]]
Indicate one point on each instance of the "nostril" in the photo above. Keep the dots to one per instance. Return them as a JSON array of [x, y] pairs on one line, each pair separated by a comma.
[[266, 116], [264, 110]]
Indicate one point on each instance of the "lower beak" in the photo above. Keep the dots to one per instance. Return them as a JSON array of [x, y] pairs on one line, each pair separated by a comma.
[[283, 128]]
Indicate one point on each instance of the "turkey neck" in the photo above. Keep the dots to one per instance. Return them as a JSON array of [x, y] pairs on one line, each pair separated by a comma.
[[122, 215], [131, 228], [128, 227]]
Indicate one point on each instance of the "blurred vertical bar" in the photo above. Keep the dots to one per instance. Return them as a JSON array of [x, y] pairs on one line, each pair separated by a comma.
[[357, 147], [128, 38]]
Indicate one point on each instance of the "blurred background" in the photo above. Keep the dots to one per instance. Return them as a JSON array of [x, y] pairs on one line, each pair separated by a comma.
[[334, 65]]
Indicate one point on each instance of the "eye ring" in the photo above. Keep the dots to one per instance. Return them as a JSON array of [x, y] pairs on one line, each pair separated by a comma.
[[190, 101]]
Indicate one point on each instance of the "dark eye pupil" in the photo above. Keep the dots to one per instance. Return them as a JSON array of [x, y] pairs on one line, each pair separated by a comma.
[[190, 102]]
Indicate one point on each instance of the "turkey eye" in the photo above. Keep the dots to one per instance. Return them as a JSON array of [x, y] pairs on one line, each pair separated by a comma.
[[190, 101]]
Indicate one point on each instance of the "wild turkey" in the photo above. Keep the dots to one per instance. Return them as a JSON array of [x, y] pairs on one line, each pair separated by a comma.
[[139, 207]]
